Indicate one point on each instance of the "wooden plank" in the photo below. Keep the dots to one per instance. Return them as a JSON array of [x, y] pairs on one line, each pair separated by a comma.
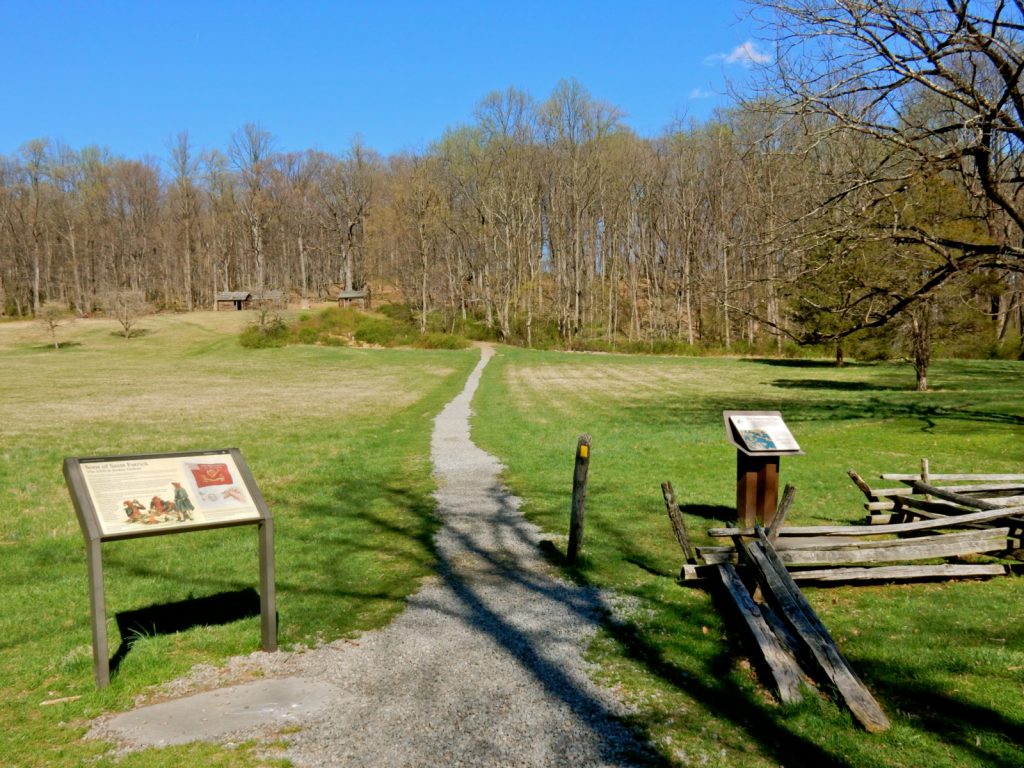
[[862, 484], [796, 552], [939, 506], [717, 555], [883, 506], [780, 514], [1014, 501], [691, 573], [947, 545], [793, 543], [901, 573], [939, 510], [982, 478], [969, 489], [983, 488], [780, 589], [677, 522], [964, 500], [778, 666], [945, 521]]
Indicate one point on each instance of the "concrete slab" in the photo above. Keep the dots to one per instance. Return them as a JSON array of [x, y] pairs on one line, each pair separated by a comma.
[[212, 715]]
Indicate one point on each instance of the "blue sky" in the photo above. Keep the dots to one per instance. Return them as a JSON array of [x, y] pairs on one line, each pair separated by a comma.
[[130, 75]]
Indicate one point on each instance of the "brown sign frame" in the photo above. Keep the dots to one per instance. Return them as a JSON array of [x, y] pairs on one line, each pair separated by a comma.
[[245, 506]]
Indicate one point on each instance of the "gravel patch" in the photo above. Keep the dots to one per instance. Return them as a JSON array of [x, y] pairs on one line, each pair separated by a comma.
[[483, 668]]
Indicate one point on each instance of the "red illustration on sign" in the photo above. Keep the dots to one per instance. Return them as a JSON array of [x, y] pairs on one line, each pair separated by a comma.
[[211, 474]]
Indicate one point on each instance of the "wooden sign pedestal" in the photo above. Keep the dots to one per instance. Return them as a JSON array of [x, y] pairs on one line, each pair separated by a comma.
[[757, 489]]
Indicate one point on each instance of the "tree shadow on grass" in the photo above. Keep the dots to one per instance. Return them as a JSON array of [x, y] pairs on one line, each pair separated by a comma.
[[798, 407], [705, 679], [709, 511], [170, 618], [992, 738], [137, 333], [839, 386], [60, 345], [710, 679], [724, 701], [798, 363]]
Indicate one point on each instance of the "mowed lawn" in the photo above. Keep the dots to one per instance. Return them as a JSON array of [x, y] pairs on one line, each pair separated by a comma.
[[946, 660], [337, 439]]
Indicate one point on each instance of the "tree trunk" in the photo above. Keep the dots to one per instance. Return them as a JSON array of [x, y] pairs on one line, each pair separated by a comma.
[[921, 342]]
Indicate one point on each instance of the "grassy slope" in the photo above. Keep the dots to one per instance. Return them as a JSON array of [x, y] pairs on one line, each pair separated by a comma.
[[945, 660], [337, 439]]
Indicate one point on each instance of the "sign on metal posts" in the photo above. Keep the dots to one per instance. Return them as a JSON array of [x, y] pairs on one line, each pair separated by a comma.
[[760, 438], [126, 497]]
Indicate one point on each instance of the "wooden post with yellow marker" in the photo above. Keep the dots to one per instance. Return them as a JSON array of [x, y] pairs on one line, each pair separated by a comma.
[[579, 495]]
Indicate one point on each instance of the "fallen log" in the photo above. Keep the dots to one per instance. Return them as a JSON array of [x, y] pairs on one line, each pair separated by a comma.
[[777, 664], [780, 590]]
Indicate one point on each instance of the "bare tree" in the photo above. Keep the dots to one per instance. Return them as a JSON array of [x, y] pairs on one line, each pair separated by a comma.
[[185, 169], [910, 93], [127, 307], [251, 154], [52, 315]]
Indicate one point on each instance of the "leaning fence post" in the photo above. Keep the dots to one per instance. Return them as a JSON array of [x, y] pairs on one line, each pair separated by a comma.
[[579, 495]]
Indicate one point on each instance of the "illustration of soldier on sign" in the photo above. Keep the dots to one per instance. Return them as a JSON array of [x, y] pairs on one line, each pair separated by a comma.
[[166, 492]]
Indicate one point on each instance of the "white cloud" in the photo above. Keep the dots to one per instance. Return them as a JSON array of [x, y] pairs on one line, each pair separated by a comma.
[[745, 53], [698, 93]]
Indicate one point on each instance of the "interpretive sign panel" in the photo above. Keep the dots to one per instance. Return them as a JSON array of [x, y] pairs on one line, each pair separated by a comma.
[[760, 432], [122, 497], [159, 492]]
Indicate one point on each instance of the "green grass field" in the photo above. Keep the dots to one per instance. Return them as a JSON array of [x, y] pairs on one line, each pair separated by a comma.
[[338, 440], [945, 660]]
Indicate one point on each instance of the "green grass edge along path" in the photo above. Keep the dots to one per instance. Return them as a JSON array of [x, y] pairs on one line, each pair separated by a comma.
[[338, 440], [945, 660]]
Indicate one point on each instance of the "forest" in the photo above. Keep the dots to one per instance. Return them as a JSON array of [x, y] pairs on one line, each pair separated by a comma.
[[864, 196]]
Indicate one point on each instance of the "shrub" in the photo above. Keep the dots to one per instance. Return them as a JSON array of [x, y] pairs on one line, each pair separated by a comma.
[[393, 326], [308, 335], [441, 341], [264, 332], [384, 332]]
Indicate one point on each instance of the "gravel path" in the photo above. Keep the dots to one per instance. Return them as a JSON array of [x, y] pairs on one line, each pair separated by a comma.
[[484, 666]]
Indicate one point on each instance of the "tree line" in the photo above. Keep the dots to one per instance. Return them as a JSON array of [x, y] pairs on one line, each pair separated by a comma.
[[873, 182]]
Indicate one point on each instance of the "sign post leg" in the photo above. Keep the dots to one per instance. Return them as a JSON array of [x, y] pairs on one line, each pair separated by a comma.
[[268, 596], [100, 648]]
